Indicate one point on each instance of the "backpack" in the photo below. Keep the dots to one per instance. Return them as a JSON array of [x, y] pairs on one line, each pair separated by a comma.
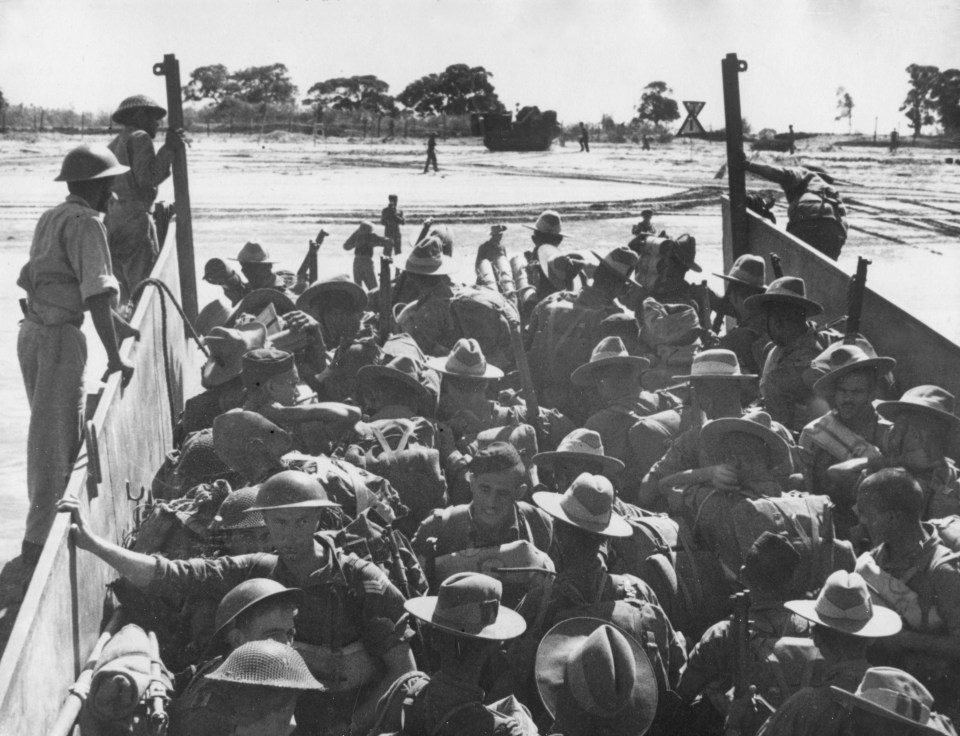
[[403, 451], [178, 529]]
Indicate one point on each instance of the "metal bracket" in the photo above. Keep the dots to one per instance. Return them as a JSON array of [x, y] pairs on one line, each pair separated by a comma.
[[131, 497]]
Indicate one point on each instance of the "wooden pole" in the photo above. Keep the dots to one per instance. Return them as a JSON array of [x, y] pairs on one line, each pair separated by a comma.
[[732, 66], [170, 69]]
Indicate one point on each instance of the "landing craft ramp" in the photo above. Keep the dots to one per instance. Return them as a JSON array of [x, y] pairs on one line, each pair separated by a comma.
[[63, 610]]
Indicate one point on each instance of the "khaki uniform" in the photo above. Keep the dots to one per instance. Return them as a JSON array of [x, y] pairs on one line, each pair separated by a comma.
[[130, 227], [747, 340], [429, 321], [941, 490], [785, 395], [69, 263], [445, 705]]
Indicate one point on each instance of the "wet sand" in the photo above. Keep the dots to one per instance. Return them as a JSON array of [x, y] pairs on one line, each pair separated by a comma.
[[904, 212]]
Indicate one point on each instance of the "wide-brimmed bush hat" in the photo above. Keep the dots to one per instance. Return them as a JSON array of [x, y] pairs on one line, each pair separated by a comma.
[[609, 351], [466, 360], [403, 370], [581, 444], [844, 604], [716, 364], [128, 109], [587, 504], [339, 284], [428, 259], [587, 667], [621, 260], [896, 696], [841, 360], [548, 223], [785, 290], [685, 250], [747, 270], [930, 400], [754, 423], [253, 253], [227, 346], [468, 604]]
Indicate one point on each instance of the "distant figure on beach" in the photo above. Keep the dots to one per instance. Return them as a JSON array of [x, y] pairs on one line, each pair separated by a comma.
[[130, 229], [431, 153], [894, 140], [646, 142], [584, 138], [392, 218], [815, 210], [492, 248], [644, 227], [362, 242], [68, 274], [792, 138]]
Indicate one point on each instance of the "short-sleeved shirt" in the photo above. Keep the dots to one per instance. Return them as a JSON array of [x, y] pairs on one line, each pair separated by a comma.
[[134, 148], [348, 600], [69, 263], [785, 394]]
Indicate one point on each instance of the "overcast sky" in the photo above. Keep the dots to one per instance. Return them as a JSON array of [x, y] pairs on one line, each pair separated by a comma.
[[582, 58]]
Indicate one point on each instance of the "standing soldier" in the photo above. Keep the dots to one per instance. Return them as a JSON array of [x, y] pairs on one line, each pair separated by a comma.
[[130, 229], [362, 242], [431, 153], [392, 218], [584, 138], [69, 272]]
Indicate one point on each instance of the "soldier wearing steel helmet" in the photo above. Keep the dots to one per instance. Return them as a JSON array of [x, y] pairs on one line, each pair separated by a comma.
[[350, 627], [132, 234], [69, 273]]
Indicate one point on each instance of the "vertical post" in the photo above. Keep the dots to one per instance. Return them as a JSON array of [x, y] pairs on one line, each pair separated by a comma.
[[732, 66], [170, 69], [82, 120]]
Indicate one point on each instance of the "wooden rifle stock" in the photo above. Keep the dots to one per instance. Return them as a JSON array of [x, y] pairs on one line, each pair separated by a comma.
[[740, 629], [704, 292], [776, 266], [855, 290], [386, 296], [526, 383]]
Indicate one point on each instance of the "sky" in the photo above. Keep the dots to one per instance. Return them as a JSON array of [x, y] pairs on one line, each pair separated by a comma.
[[582, 58]]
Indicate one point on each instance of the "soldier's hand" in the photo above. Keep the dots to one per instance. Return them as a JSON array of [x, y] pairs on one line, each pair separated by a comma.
[[79, 531], [724, 478], [301, 321], [176, 139], [126, 371]]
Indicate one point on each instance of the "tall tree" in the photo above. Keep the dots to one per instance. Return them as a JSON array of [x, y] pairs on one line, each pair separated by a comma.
[[946, 94], [655, 106], [845, 107], [367, 92], [919, 104], [264, 85], [457, 90], [211, 82]]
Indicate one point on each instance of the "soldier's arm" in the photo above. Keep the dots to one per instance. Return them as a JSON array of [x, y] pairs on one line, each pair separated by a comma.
[[150, 169]]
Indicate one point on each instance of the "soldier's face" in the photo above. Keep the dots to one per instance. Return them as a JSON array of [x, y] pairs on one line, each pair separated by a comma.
[[854, 395], [875, 521], [277, 721], [494, 495], [273, 621], [283, 388], [291, 530], [248, 541]]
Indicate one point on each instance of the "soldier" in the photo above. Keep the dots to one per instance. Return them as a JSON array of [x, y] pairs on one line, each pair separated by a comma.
[[815, 211], [644, 226], [845, 624], [547, 231], [718, 389], [851, 429], [431, 153], [767, 570], [616, 377], [581, 451], [495, 516], [563, 328], [254, 691], [350, 627], [671, 286], [465, 624], [785, 310], [428, 320], [338, 305], [887, 702], [257, 267], [67, 274], [362, 242], [747, 277], [131, 231], [250, 445], [594, 678], [492, 248], [392, 218], [234, 530]]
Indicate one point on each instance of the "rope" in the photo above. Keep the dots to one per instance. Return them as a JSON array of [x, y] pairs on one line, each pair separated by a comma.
[[167, 368]]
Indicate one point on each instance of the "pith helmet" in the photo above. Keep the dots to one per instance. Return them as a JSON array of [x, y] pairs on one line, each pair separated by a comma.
[[249, 593], [266, 663], [90, 162], [291, 489], [129, 107]]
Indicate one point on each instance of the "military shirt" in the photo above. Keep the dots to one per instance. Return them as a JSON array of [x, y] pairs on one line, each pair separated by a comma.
[[429, 320], [69, 263], [785, 394], [347, 600], [445, 705], [148, 169], [941, 489], [747, 340], [526, 523]]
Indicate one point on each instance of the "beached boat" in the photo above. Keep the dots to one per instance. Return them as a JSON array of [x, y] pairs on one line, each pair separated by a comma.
[[532, 130]]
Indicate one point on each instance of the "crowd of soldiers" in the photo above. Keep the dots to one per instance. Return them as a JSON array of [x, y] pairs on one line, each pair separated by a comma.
[[568, 506]]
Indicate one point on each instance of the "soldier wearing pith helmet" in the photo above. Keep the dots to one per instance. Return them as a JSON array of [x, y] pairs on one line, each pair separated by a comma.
[[68, 273], [130, 228]]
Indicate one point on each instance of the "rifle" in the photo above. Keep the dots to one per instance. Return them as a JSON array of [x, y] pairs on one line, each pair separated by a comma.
[[776, 265], [156, 691], [748, 710], [386, 296], [855, 290], [308, 269], [703, 292], [526, 382]]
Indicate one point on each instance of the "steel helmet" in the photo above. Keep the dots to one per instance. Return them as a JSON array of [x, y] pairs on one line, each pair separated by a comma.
[[129, 107], [249, 593], [90, 162], [233, 511], [266, 663], [291, 489]]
